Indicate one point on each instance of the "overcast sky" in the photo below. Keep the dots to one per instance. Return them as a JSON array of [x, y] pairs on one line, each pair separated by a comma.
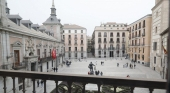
[[86, 13]]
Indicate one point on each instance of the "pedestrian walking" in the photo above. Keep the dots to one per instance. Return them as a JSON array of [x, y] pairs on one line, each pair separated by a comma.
[[134, 66], [98, 72], [101, 73], [38, 83], [42, 83], [101, 62], [117, 64], [128, 76], [54, 69]]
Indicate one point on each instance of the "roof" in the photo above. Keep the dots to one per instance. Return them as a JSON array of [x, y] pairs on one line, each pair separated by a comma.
[[141, 18], [113, 23], [35, 25], [26, 31], [68, 26], [42, 28], [52, 20], [26, 21], [14, 16]]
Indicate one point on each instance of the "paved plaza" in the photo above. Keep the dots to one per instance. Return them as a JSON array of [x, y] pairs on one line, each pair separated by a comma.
[[109, 69]]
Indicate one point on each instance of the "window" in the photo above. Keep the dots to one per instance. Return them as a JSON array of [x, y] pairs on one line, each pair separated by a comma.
[[69, 48], [69, 42], [105, 46], [105, 34], [69, 31], [136, 27], [81, 48], [143, 50], [81, 31], [63, 36], [81, 36], [161, 62], [99, 52], [75, 41], [104, 39], [75, 36], [63, 31], [75, 31], [155, 60], [44, 53], [69, 36], [75, 54], [117, 46], [155, 29], [143, 57], [118, 40], [99, 34], [81, 41], [51, 19], [139, 25], [118, 35], [123, 34], [99, 46], [111, 39], [104, 25], [154, 45], [111, 34], [75, 48], [69, 54], [144, 23], [99, 40]]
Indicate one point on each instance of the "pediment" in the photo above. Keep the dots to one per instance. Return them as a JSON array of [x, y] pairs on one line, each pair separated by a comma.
[[17, 44]]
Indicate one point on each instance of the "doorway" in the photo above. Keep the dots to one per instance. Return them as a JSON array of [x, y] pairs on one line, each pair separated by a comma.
[[17, 58], [111, 53], [135, 58]]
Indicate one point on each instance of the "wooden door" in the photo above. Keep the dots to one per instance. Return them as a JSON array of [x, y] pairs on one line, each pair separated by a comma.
[[16, 57]]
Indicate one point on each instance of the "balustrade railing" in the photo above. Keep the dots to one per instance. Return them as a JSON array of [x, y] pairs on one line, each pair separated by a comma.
[[84, 79]]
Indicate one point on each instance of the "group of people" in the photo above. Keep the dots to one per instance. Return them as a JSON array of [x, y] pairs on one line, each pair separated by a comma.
[[55, 69], [131, 66], [91, 69], [40, 82]]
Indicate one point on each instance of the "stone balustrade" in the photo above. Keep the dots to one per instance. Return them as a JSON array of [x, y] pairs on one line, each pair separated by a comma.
[[84, 79]]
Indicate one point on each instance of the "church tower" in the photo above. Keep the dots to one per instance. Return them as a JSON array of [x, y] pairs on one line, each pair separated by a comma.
[[53, 24]]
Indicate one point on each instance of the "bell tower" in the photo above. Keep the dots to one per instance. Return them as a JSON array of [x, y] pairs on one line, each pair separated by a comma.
[[53, 9]]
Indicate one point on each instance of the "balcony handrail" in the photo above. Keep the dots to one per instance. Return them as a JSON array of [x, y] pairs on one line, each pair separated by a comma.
[[107, 80]]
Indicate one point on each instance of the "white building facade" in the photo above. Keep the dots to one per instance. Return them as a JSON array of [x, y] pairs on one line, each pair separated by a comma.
[[110, 40], [75, 41]]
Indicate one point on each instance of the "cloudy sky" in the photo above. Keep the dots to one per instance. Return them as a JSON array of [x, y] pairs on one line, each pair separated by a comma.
[[86, 13]]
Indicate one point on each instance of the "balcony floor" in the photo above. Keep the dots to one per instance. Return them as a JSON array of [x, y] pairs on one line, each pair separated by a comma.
[[109, 69]]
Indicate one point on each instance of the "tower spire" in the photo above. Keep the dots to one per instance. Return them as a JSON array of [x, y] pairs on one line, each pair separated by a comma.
[[53, 6], [53, 10]]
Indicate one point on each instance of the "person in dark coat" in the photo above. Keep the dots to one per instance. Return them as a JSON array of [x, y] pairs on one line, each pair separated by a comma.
[[38, 83], [117, 64], [101, 73], [42, 82], [54, 69], [98, 72]]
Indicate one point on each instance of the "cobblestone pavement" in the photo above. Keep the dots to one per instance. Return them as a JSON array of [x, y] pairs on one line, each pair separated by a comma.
[[109, 69]]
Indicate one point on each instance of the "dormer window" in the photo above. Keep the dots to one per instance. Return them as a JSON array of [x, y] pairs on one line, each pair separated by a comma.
[[51, 19]]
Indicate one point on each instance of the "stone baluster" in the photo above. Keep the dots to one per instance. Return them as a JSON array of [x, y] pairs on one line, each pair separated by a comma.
[[84, 90], [115, 89], [33, 80], [23, 80], [13, 78], [4, 84], [151, 90], [98, 85], [56, 82], [69, 86], [45, 90], [132, 89]]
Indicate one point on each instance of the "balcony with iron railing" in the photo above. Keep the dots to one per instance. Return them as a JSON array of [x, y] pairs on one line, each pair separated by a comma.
[[99, 35], [117, 41], [123, 41], [81, 44], [75, 44], [99, 41], [111, 42], [105, 42], [143, 34], [69, 37], [75, 38]]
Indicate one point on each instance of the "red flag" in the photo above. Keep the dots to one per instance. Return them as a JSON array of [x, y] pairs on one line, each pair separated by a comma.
[[54, 54]]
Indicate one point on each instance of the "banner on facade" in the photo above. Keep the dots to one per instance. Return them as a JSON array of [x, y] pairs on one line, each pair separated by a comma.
[[54, 54]]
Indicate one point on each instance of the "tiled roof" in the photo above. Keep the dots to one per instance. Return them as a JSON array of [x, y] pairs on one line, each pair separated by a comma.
[[26, 21], [14, 16], [52, 20]]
